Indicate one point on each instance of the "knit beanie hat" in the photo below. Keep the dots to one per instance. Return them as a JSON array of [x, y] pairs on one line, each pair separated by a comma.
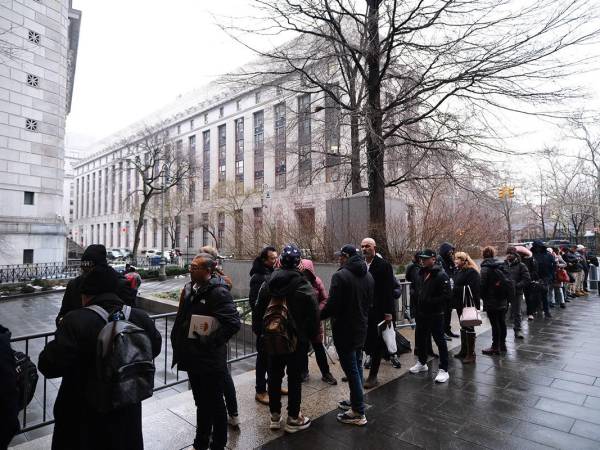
[[100, 280], [290, 256], [94, 255]]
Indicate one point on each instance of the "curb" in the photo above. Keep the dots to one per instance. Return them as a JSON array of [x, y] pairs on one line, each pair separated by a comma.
[[32, 294]]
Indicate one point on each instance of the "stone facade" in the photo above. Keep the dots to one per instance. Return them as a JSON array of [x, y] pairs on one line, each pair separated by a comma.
[[38, 63]]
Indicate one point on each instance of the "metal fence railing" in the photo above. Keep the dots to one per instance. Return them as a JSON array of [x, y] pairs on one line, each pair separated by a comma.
[[27, 272], [39, 412]]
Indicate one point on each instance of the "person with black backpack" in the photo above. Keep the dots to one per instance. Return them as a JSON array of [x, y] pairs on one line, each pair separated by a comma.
[[497, 289], [104, 352], [9, 411], [290, 313], [204, 356]]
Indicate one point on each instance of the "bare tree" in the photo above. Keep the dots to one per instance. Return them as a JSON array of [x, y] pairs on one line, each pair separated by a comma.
[[445, 63], [158, 165]]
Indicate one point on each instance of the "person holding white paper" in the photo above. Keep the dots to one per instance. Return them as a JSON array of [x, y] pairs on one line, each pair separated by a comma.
[[203, 353]]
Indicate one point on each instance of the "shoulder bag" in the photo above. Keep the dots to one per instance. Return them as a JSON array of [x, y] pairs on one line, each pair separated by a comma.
[[470, 316]]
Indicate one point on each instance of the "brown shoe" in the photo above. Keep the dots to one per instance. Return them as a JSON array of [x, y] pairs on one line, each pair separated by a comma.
[[284, 391], [262, 397], [370, 383]]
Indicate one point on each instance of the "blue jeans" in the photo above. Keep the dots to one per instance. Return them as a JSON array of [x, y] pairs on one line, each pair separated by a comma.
[[351, 362]]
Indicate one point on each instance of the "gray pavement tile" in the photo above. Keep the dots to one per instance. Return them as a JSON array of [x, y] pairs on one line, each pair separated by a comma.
[[586, 429], [554, 438], [565, 409]]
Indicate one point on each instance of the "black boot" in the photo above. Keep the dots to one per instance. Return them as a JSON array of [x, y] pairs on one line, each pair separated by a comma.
[[463, 344]]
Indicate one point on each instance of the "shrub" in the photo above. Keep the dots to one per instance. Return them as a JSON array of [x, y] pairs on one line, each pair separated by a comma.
[[27, 289]]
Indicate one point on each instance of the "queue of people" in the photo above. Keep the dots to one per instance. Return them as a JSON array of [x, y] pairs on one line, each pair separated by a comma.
[[105, 379]]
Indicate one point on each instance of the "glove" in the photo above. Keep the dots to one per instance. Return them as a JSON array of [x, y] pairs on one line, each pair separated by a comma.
[[201, 339]]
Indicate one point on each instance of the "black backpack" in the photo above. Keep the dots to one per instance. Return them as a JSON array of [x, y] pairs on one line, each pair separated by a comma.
[[27, 378], [279, 337], [501, 283], [124, 363]]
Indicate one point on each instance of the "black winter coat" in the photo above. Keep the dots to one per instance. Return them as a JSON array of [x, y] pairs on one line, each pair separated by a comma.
[[72, 356], [258, 275], [492, 299], [433, 291], [301, 301], [72, 296], [9, 421], [206, 354], [383, 301], [463, 278], [546, 265], [446, 261], [350, 298], [519, 274]]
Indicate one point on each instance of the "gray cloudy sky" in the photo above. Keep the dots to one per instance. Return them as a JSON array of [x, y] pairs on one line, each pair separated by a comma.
[[135, 56]]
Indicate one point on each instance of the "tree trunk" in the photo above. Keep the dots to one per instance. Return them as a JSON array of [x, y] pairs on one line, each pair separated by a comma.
[[140, 224], [355, 155], [374, 141]]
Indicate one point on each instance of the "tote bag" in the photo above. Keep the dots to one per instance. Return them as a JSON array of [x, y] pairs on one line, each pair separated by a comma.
[[470, 315]]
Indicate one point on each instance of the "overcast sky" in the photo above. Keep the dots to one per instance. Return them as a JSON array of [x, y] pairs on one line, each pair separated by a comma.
[[135, 56]]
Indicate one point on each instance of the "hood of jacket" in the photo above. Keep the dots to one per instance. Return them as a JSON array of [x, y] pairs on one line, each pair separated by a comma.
[[284, 281], [445, 248], [538, 247], [214, 282], [515, 261], [307, 264], [490, 262], [5, 334], [258, 266], [437, 267], [357, 265]]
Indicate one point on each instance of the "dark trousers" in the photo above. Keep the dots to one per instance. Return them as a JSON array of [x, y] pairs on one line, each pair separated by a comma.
[[448, 316], [230, 396], [514, 312], [211, 416], [375, 355], [294, 363], [431, 326], [261, 368], [321, 357], [532, 301], [351, 362], [498, 323]]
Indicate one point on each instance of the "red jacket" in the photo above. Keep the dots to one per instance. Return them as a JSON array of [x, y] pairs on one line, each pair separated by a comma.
[[321, 294]]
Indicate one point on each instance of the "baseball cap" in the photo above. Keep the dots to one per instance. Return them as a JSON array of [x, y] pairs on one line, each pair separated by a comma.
[[426, 253], [580, 247], [348, 250]]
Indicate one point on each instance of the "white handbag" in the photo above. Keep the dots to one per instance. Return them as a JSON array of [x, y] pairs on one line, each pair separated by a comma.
[[470, 316], [389, 337]]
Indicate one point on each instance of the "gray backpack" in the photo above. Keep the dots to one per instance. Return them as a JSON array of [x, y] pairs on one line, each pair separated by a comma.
[[124, 363]]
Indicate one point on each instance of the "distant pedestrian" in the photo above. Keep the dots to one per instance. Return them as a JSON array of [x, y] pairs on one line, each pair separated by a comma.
[[308, 270], [465, 292], [133, 278], [350, 297], [9, 410], [287, 304], [497, 289], [519, 274], [80, 422], [446, 260], [433, 292], [204, 357], [555, 291], [382, 308], [261, 270]]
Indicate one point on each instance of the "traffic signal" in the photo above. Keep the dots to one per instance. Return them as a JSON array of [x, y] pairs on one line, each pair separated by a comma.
[[511, 192]]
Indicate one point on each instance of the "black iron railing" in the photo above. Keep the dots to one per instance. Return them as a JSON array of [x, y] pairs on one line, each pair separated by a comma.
[[37, 414], [27, 272]]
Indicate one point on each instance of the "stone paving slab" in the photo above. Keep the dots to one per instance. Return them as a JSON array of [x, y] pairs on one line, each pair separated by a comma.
[[544, 393]]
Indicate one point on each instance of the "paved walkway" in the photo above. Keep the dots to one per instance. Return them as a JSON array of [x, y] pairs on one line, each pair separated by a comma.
[[544, 393]]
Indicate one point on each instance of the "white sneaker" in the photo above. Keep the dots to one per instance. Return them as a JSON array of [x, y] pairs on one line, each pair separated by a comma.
[[275, 423], [442, 376], [418, 367], [299, 423]]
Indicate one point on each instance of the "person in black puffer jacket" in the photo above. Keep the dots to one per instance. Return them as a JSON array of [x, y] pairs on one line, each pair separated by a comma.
[[204, 358], [433, 294], [520, 275], [289, 283], [261, 270], [446, 260], [350, 299], [9, 409], [72, 356], [546, 267], [465, 292], [495, 301]]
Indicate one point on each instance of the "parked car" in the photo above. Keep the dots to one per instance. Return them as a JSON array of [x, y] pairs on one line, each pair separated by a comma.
[[558, 243], [151, 252]]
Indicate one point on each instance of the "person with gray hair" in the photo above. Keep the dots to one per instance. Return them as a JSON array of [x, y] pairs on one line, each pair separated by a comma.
[[204, 357]]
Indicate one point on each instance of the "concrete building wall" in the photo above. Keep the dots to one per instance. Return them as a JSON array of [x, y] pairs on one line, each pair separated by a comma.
[[34, 79]]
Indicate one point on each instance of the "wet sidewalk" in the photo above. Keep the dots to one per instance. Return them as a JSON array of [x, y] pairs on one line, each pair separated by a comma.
[[544, 393]]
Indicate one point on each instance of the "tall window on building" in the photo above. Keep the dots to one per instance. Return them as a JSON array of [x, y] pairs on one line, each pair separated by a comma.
[[87, 195], [239, 156], [190, 235], [304, 138], [238, 220], [178, 156], [126, 234], [258, 227], [94, 202], [259, 149], [205, 233], [177, 232], [120, 198], [28, 256], [306, 226], [113, 183], [222, 153], [280, 146], [106, 191], [119, 232], [220, 229], [77, 198], [332, 138], [145, 233], [154, 233], [112, 234], [206, 165], [104, 236]]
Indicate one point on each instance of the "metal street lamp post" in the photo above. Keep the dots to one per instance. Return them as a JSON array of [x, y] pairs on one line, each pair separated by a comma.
[[162, 273]]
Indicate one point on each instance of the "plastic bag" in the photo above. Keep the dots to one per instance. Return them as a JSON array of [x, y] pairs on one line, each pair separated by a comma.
[[389, 337]]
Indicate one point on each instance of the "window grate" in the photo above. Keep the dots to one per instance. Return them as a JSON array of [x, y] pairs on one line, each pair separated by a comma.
[[33, 80], [31, 124], [34, 37]]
